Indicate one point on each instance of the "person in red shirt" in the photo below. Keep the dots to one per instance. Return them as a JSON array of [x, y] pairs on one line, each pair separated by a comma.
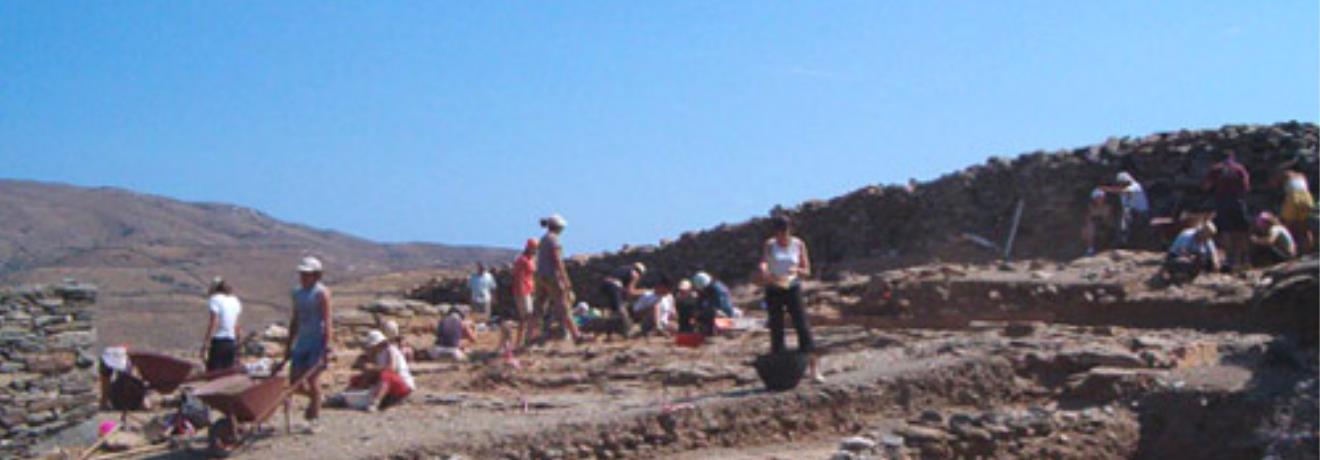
[[1230, 182], [524, 286]]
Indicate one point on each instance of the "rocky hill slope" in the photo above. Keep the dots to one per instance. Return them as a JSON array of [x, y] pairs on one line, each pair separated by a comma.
[[153, 256], [882, 227]]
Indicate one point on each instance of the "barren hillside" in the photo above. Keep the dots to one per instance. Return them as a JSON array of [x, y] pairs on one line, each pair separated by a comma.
[[153, 256]]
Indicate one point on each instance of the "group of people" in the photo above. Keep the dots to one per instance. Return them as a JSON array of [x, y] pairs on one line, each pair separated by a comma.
[[637, 302], [1261, 238]]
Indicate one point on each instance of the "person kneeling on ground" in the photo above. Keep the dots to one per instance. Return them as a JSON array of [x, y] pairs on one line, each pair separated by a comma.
[[715, 300], [691, 317], [450, 334], [384, 371], [1192, 252], [655, 308], [1272, 241]]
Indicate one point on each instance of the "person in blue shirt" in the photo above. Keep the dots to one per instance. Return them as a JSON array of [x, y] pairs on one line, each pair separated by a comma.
[[1192, 253]]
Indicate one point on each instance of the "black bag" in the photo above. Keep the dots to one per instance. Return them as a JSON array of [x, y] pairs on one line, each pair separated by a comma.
[[781, 371]]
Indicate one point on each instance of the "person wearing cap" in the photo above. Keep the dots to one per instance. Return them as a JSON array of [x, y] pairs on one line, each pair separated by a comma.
[[1272, 241], [553, 287], [395, 335], [1097, 214], [524, 288], [1192, 253], [385, 371], [220, 348], [1135, 212], [482, 286], [784, 263], [715, 299], [311, 333], [1230, 182], [619, 287], [450, 332]]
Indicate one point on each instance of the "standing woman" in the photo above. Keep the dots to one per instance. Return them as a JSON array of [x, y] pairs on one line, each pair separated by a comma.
[[784, 262], [220, 348], [310, 335], [552, 283]]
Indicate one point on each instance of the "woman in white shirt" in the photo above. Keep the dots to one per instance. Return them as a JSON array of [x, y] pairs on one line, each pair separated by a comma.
[[220, 348], [385, 371], [784, 262]]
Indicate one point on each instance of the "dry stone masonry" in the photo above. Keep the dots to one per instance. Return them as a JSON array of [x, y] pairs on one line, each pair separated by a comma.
[[47, 362], [890, 226]]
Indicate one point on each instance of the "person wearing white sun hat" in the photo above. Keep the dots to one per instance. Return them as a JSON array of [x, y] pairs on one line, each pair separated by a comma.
[[385, 371], [553, 287], [1135, 206], [310, 334]]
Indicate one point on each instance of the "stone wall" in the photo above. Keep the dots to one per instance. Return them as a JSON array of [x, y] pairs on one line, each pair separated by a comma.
[[880, 227], [47, 362]]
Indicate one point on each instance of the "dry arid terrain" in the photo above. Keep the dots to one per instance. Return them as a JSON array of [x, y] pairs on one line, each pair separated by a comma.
[[948, 327], [153, 257]]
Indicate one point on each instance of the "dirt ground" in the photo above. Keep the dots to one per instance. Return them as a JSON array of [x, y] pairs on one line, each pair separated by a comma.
[[1002, 386]]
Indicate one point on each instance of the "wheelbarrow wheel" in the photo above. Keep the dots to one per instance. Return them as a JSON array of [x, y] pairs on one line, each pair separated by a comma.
[[222, 437]]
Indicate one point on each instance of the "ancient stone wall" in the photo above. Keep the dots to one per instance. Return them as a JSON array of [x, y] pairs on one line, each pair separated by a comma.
[[890, 226], [47, 362]]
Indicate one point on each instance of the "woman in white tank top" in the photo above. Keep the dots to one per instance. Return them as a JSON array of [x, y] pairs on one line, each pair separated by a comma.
[[784, 262]]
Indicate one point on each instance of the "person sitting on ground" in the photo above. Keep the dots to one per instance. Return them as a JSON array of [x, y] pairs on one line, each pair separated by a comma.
[[655, 308], [451, 332], [618, 287], [1298, 206], [1135, 214], [385, 371], [1272, 241], [1097, 213], [1192, 253], [482, 286], [392, 332], [220, 349]]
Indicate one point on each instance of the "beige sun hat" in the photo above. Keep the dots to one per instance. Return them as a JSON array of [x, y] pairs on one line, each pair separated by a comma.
[[374, 337], [309, 264]]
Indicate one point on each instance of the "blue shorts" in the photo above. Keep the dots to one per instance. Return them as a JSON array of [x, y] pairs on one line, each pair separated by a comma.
[[305, 357]]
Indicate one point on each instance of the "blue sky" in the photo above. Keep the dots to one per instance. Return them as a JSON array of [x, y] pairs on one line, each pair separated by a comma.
[[462, 122]]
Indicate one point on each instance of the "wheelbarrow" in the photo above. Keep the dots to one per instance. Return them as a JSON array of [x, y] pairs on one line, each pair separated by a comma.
[[246, 402], [150, 371]]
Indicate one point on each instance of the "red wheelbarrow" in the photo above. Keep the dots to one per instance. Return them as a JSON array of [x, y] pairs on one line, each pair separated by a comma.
[[245, 401], [150, 371]]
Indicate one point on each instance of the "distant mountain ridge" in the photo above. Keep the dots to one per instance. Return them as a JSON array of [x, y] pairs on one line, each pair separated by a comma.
[[154, 255]]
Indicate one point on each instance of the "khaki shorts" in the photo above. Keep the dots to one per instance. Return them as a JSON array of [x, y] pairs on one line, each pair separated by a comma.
[[548, 294], [525, 305]]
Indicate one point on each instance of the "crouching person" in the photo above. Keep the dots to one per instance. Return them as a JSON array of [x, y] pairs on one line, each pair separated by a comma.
[[384, 371], [1192, 253]]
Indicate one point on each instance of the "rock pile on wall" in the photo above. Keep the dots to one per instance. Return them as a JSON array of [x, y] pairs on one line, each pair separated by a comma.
[[891, 226], [47, 372]]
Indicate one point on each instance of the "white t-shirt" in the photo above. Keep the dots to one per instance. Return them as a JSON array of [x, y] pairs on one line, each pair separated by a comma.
[[481, 284], [651, 299], [226, 308], [784, 258], [400, 365], [1134, 198]]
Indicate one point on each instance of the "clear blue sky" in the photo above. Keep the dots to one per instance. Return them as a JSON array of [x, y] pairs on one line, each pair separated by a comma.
[[462, 122]]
